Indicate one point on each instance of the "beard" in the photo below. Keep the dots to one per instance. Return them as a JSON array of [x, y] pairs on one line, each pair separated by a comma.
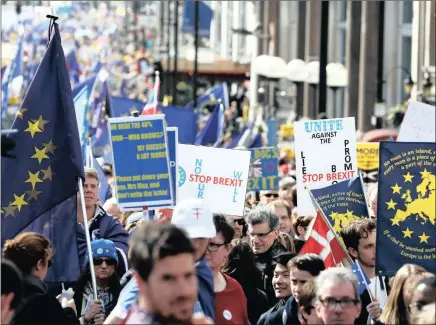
[[159, 319]]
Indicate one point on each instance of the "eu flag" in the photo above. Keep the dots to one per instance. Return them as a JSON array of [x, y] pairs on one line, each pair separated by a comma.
[[406, 206], [123, 106], [98, 130], [39, 185], [211, 96], [212, 133], [362, 278], [342, 202]]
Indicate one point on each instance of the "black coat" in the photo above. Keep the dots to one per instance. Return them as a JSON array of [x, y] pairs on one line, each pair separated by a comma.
[[40, 308]]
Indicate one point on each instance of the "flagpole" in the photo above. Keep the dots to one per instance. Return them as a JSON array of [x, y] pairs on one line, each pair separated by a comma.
[[88, 239], [364, 193], [362, 274], [349, 259]]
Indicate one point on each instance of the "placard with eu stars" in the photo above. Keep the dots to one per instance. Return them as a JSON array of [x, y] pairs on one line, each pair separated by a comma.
[[406, 207], [141, 161]]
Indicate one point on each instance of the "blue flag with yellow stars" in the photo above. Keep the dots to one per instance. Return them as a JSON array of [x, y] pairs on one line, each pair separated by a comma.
[[39, 180], [212, 133], [406, 207], [342, 202]]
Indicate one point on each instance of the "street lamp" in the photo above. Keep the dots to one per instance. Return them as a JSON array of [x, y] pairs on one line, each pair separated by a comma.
[[426, 85], [408, 85], [337, 77], [297, 73]]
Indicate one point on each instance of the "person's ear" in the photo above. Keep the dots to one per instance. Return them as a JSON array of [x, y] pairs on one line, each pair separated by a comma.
[[39, 265], [353, 252]]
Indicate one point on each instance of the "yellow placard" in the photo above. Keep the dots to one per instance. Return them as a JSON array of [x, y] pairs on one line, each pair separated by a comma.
[[287, 130], [367, 155]]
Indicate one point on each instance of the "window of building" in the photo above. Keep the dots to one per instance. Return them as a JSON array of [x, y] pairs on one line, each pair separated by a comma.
[[407, 11]]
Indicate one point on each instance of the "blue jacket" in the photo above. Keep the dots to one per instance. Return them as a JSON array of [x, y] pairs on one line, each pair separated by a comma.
[[105, 226]]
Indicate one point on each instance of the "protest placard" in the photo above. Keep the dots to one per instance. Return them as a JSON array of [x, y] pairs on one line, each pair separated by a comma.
[[173, 141], [141, 161], [418, 124], [325, 154], [217, 176], [367, 161], [263, 174]]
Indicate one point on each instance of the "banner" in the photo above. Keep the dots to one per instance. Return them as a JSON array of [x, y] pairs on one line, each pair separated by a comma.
[[418, 124], [205, 14], [263, 174], [218, 176], [173, 142], [141, 161], [406, 207], [342, 202], [325, 154], [367, 161]]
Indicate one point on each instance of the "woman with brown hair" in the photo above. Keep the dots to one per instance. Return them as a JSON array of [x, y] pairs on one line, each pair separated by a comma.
[[32, 253], [397, 308]]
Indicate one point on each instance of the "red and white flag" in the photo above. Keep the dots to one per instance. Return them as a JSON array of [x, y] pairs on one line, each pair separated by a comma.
[[323, 242], [151, 107]]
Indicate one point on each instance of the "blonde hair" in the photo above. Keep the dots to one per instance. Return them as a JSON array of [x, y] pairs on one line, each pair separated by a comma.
[[396, 311], [91, 172]]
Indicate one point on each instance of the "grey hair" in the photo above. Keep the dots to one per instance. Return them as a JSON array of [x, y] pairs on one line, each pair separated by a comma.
[[263, 214], [340, 274]]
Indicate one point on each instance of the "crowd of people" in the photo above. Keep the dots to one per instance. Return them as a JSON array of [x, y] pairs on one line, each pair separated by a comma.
[[204, 268]]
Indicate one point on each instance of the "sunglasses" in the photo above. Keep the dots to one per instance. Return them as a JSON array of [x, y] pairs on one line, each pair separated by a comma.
[[275, 195], [99, 261], [49, 263], [240, 222]]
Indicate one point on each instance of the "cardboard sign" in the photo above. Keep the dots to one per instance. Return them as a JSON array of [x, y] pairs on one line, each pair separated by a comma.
[[141, 161], [367, 160], [217, 176], [263, 170], [418, 124], [325, 154]]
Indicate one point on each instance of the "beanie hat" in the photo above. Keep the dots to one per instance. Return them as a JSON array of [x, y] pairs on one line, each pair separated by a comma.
[[102, 248]]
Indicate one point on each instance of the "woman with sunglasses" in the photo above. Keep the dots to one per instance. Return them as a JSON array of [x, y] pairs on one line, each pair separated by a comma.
[[105, 258], [32, 253]]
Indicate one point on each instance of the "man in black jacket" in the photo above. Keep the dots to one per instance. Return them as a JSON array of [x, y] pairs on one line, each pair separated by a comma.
[[12, 290], [263, 231], [281, 284]]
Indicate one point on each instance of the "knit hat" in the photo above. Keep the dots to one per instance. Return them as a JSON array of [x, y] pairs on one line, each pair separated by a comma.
[[102, 248]]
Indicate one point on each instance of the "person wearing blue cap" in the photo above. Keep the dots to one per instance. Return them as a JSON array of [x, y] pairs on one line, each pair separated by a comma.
[[105, 260]]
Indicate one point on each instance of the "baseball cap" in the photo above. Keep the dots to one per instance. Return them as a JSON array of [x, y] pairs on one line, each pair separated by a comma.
[[195, 218]]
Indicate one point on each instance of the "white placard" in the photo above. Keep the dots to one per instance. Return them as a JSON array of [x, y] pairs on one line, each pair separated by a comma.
[[218, 176], [418, 124], [325, 153]]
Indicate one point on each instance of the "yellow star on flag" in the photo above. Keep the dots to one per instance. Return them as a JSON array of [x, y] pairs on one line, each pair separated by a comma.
[[19, 201], [391, 205], [9, 210], [423, 238], [425, 174], [33, 194], [408, 177], [50, 147], [20, 113], [395, 222], [33, 128], [40, 154], [349, 214], [333, 215], [107, 250], [33, 179], [407, 233], [48, 174], [396, 189], [41, 122]]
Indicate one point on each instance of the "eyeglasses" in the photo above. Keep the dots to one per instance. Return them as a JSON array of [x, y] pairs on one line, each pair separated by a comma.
[[275, 195], [416, 306], [240, 222], [330, 303], [49, 263], [214, 247], [260, 235], [99, 261]]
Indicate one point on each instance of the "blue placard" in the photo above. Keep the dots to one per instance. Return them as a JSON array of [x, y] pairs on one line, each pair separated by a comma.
[[172, 136], [205, 18], [273, 129], [141, 164], [263, 174]]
